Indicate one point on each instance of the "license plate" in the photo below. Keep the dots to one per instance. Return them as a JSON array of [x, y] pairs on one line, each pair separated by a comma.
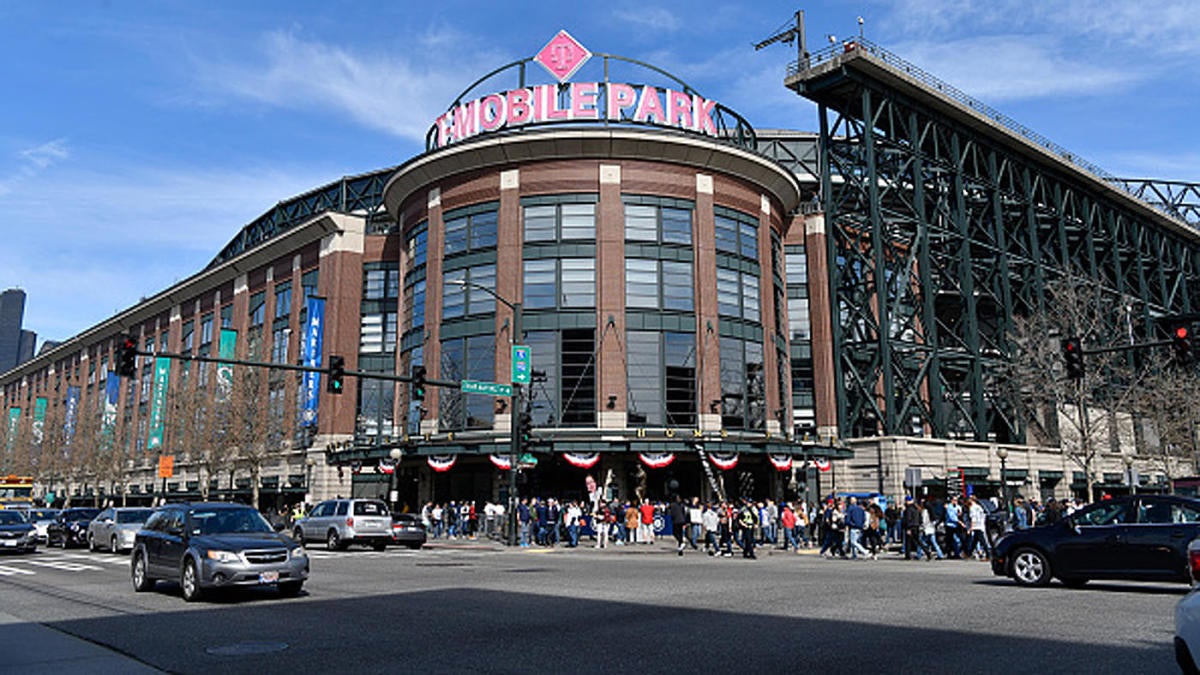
[[10, 542], [268, 577]]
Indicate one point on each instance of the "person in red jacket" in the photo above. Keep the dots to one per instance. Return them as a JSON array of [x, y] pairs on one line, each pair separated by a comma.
[[788, 520], [647, 526]]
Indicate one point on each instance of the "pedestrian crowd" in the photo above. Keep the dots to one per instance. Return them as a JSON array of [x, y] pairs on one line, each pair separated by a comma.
[[841, 526]]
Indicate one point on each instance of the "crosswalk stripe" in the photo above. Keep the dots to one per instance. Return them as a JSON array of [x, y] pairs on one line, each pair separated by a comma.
[[9, 571], [63, 565]]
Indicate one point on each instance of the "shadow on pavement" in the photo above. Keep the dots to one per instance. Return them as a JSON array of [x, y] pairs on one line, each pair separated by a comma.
[[460, 630]]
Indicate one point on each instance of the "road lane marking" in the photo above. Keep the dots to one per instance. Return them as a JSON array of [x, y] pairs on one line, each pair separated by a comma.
[[7, 571], [63, 565]]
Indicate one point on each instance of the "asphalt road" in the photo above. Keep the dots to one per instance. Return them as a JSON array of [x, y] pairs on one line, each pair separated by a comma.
[[482, 609]]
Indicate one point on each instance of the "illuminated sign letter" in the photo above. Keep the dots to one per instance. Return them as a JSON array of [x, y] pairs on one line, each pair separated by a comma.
[[550, 109], [492, 112], [583, 101], [519, 110], [650, 107], [620, 97], [703, 110], [465, 117], [679, 109]]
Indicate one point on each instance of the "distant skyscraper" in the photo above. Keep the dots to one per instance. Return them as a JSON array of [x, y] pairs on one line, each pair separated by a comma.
[[12, 311], [28, 346]]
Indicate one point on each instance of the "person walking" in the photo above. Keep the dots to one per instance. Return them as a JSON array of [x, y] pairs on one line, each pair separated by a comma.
[[725, 524], [712, 528], [929, 535], [646, 532], [856, 522], [748, 521], [632, 518], [679, 521], [787, 521], [953, 526], [911, 523], [978, 546]]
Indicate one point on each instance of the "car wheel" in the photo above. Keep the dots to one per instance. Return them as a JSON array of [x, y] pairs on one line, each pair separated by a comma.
[[290, 589], [379, 546], [141, 581], [1030, 567], [333, 542], [1074, 582], [298, 535], [112, 545], [189, 582], [414, 545]]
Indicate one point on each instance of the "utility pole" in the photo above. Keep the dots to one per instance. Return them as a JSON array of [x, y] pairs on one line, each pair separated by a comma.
[[516, 410]]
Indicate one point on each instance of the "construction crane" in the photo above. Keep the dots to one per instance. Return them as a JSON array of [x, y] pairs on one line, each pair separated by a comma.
[[788, 33]]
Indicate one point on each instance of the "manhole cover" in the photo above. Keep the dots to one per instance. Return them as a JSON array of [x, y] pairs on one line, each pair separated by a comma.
[[245, 648]]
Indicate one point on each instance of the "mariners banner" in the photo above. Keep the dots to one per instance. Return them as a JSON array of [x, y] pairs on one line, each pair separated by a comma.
[[14, 423], [311, 355], [158, 402], [226, 349], [71, 414], [112, 393], [38, 430]]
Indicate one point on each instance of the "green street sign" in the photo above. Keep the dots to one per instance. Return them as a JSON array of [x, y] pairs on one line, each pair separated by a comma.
[[492, 388], [522, 364]]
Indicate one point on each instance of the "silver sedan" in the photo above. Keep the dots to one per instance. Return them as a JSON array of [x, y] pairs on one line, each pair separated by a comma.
[[114, 528]]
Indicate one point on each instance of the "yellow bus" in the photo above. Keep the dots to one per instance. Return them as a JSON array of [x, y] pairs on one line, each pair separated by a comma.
[[16, 492]]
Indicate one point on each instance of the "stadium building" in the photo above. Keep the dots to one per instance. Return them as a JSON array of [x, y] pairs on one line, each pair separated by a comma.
[[709, 309]]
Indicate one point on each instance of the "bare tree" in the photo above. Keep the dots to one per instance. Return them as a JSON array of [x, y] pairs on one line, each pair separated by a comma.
[[1168, 406], [1082, 416]]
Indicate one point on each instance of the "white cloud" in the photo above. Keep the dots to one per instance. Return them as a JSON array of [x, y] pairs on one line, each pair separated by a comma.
[[398, 92], [32, 161], [1006, 68], [651, 18], [92, 242]]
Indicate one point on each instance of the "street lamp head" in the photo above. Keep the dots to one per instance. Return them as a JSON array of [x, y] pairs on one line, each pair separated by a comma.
[[1002, 453], [310, 462], [396, 454], [1128, 459]]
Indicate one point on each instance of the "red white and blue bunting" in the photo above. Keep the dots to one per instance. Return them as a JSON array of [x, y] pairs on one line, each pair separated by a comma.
[[582, 460], [502, 462], [822, 465], [442, 463], [656, 460], [780, 462], [723, 460]]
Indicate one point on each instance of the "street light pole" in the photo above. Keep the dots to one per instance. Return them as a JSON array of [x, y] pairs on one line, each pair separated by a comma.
[[1002, 453], [394, 482], [515, 406]]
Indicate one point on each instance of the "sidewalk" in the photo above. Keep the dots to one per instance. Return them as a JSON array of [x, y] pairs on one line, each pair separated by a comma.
[[34, 649]]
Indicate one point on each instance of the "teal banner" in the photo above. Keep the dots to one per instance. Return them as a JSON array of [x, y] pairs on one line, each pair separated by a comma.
[[158, 402], [14, 422], [226, 349], [39, 420]]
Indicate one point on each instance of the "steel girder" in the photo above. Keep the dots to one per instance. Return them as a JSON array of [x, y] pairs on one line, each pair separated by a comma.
[[938, 236]]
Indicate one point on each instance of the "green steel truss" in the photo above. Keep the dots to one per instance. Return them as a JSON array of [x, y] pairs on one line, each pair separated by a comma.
[[940, 231]]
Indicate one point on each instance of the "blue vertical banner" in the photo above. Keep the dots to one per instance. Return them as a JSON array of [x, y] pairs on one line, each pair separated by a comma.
[[158, 402], [112, 394], [71, 414], [39, 420], [311, 355]]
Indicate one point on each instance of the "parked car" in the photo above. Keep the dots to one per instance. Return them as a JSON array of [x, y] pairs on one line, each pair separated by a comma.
[[408, 530], [16, 532], [41, 519], [1139, 538], [213, 546], [341, 522], [1187, 618], [114, 528], [69, 528]]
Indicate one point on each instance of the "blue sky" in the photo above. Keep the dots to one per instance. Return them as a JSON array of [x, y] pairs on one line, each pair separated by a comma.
[[137, 138]]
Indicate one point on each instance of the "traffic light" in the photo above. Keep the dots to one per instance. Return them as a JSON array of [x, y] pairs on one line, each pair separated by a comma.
[[1181, 343], [418, 383], [1073, 355], [337, 373], [525, 430], [127, 357]]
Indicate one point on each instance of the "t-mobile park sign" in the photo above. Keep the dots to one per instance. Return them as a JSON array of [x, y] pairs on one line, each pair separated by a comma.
[[581, 101]]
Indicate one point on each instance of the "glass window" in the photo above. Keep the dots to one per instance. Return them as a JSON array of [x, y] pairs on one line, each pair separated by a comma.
[[456, 235], [257, 309], [283, 300], [676, 226], [578, 221], [544, 395], [737, 234], [677, 285], [471, 232], [417, 245], [578, 283], [742, 403], [206, 329], [414, 305], [377, 332], [643, 376], [750, 301], [473, 358], [578, 377], [483, 230], [343, 508], [647, 222], [479, 301], [541, 223], [641, 283], [188, 337], [728, 293], [679, 361], [540, 290], [454, 295], [1182, 513], [726, 234], [1104, 514], [279, 344], [641, 222]]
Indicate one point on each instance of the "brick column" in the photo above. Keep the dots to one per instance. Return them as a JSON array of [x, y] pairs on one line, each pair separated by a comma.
[[766, 301], [509, 281], [610, 299], [708, 350], [821, 317], [432, 351], [340, 282]]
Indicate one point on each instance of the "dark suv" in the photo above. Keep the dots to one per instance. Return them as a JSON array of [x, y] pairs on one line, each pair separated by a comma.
[[210, 546]]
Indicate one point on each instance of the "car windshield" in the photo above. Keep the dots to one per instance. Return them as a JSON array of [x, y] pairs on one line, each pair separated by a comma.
[[370, 509], [42, 515], [11, 518], [135, 516], [228, 521], [87, 514]]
